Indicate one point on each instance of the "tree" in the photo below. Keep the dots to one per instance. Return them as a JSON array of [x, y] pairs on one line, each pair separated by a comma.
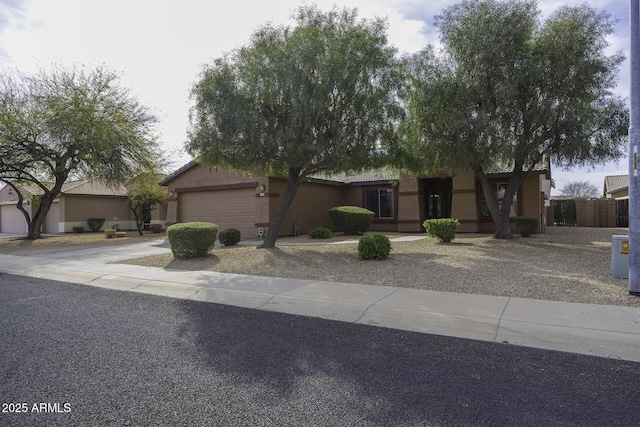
[[69, 123], [512, 92], [298, 101], [579, 190], [145, 195]]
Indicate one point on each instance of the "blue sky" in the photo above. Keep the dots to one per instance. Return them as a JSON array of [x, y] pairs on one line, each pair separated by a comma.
[[160, 46]]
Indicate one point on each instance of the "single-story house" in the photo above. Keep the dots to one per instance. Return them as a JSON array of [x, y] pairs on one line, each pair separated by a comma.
[[616, 186], [401, 202], [78, 201]]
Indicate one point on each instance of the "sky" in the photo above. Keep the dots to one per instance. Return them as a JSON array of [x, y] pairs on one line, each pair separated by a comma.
[[159, 47]]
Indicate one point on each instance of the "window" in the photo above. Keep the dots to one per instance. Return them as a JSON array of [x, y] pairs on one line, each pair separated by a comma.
[[380, 201], [500, 189]]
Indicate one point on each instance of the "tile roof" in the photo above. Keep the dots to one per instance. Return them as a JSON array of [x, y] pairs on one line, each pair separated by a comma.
[[375, 175], [504, 168], [383, 174], [93, 187], [615, 183], [84, 187]]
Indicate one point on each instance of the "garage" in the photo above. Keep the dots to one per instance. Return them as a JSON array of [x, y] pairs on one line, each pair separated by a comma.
[[228, 208], [53, 218], [12, 220]]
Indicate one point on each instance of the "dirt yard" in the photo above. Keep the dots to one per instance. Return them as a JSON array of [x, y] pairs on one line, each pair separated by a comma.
[[565, 264]]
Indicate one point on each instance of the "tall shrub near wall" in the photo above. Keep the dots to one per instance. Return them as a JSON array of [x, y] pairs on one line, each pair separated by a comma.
[[351, 219]]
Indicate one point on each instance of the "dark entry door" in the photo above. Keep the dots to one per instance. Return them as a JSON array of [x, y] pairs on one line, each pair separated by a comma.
[[437, 193]]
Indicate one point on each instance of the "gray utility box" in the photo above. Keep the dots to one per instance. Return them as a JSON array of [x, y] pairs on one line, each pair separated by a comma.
[[620, 256]]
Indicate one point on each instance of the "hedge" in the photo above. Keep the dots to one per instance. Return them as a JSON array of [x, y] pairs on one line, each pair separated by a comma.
[[230, 236], [351, 219], [95, 224], [374, 246], [526, 225], [443, 229], [192, 239], [320, 233]]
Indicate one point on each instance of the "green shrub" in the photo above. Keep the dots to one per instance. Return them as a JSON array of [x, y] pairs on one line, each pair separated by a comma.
[[230, 236], [320, 233], [192, 239], [351, 219], [95, 224], [374, 246], [109, 233], [441, 228], [155, 228], [526, 225]]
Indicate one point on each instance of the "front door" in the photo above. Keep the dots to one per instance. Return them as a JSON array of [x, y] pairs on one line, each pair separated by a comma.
[[437, 202]]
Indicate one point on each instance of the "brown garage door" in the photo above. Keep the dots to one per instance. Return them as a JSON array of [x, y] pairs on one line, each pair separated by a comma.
[[227, 208], [12, 220]]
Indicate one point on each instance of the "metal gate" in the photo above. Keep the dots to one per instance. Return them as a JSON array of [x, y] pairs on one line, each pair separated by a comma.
[[564, 212], [622, 213]]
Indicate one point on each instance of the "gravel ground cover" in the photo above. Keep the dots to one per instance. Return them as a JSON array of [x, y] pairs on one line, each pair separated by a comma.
[[570, 264], [565, 264]]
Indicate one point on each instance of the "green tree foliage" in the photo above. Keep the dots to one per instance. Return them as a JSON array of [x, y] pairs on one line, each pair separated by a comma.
[[145, 195], [512, 92], [318, 97], [69, 123]]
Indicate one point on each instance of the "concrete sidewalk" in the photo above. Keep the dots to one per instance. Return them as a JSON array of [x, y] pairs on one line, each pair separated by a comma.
[[607, 331]]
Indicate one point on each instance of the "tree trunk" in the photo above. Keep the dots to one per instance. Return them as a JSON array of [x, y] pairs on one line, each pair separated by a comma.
[[500, 214], [46, 200], [138, 214], [503, 229], [293, 184]]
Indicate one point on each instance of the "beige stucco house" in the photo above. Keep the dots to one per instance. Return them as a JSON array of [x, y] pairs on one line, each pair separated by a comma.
[[77, 202], [616, 186], [401, 202]]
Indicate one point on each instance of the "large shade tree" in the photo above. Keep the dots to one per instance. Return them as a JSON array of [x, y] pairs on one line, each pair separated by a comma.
[[69, 123], [299, 101], [510, 91]]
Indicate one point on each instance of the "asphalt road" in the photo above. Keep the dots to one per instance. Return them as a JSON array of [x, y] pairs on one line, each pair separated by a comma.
[[77, 355]]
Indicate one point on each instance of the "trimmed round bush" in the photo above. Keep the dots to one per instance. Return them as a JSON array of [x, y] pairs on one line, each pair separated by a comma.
[[109, 233], [526, 225], [443, 229], [374, 246], [192, 239], [95, 224], [229, 236], [320, 233], [351, 219], [155, 228]]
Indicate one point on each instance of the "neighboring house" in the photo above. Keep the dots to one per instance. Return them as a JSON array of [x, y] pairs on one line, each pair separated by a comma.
[[616, 186], [401, 202], [77, 202]]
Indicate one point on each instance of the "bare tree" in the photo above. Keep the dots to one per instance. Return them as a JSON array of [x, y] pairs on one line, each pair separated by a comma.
[[580, 190]]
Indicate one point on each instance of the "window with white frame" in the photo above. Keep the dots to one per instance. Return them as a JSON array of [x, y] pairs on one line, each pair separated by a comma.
[[500, 190], [380, 201]]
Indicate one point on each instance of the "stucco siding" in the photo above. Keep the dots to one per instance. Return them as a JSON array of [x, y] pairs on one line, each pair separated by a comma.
[[309, 208]]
